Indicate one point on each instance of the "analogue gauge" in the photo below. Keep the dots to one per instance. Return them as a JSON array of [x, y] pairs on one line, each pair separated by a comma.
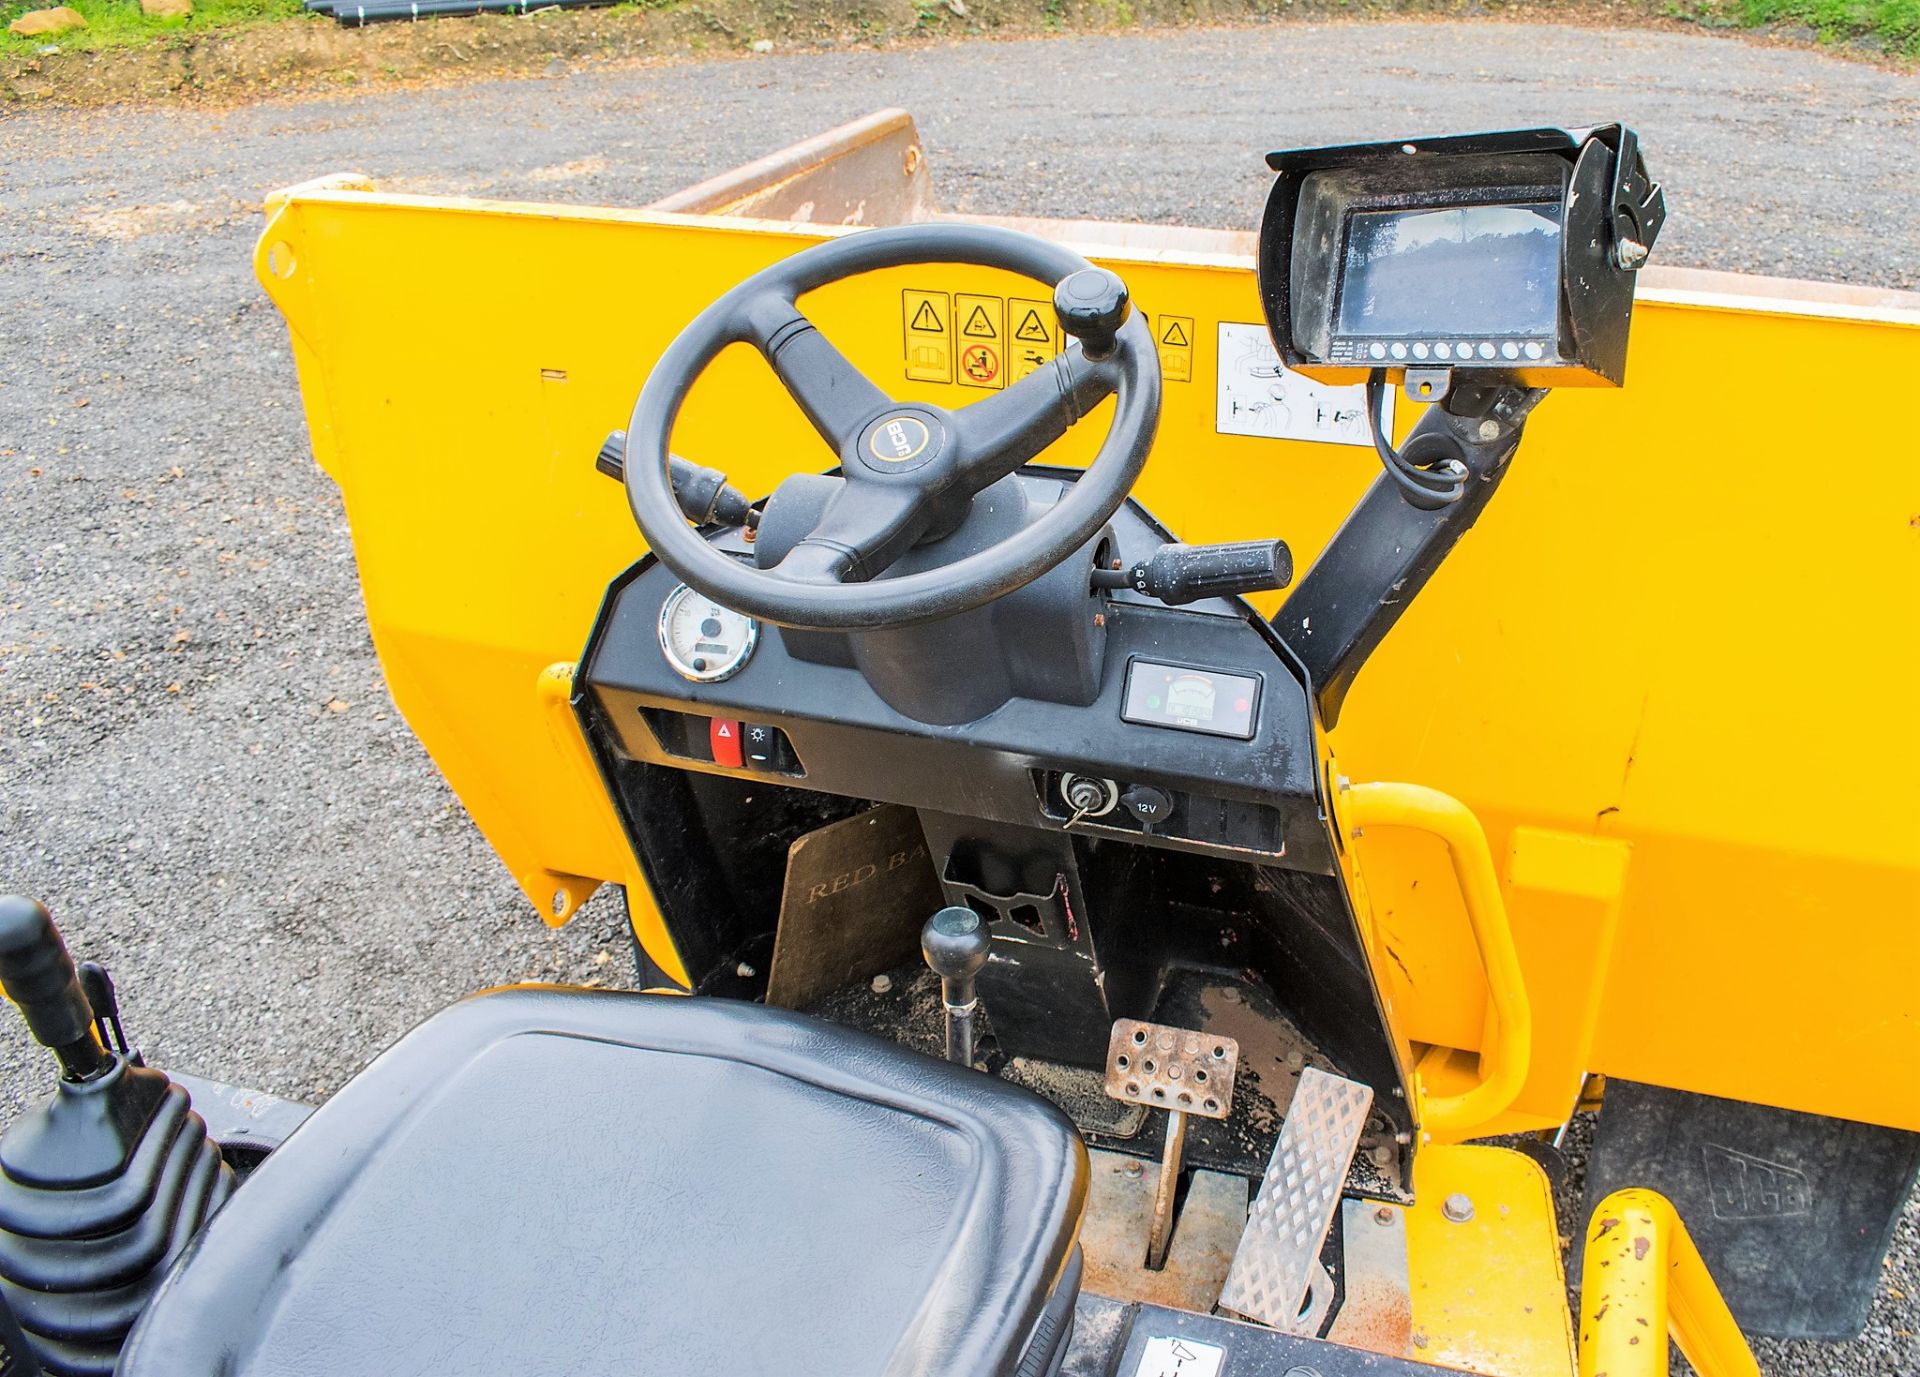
[[702, 640]]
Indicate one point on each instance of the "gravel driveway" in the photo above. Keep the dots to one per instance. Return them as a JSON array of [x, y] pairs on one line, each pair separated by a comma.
[[200, 769]]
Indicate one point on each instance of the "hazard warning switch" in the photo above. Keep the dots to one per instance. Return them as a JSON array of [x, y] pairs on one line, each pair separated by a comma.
[[723, 734]]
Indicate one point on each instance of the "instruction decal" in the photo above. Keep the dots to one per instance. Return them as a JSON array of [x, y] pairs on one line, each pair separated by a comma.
[[1036, 337], [1260, 396], [983, 339], [1174, 335], [928, 321], [1177, 1357]]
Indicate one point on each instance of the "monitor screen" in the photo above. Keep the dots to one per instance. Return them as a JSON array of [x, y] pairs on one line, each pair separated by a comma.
[[1452, 270]]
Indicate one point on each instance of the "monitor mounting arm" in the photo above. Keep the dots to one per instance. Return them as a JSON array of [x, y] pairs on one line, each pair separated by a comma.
[[1387, 549]]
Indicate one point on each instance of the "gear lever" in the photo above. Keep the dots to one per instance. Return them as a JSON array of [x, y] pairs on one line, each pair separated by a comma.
[[955, 944]]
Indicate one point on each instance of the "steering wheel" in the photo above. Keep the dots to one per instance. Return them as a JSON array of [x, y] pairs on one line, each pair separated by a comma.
[[911, 469]]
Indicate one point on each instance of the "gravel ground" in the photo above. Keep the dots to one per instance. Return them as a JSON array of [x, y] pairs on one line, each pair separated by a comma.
[[199, 767]]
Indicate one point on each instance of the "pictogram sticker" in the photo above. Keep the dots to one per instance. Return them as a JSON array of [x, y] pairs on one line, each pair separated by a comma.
[[1174, 334], [982, 322], [928, 318], [980, 366], [1035, 337], [1261, 396]]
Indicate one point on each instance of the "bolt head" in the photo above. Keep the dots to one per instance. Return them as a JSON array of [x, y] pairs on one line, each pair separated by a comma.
[[1457, 1208], [882, 984]]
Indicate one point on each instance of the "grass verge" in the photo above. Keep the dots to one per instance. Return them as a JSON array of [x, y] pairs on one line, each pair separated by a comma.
[[121, 23], [1890, 24]]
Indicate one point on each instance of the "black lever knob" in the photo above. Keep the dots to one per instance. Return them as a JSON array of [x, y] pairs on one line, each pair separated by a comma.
[[704, 494], [1179, 574], [1092, 305], [955, 945], [38, 976]]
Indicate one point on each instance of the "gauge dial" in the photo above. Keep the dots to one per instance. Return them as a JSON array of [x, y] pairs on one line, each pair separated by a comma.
[[702, 640]]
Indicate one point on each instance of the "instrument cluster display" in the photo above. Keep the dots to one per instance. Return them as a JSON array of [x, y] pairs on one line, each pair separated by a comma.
[[703, 641]]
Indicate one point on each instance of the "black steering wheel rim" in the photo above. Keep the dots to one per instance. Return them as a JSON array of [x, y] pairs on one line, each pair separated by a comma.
[[763, 306]]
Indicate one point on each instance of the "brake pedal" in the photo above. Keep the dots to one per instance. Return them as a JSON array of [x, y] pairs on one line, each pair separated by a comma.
[[1277, 1264], [1183, 1072]]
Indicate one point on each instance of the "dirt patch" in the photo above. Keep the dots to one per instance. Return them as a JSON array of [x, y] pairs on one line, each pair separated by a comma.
[[313, 53]]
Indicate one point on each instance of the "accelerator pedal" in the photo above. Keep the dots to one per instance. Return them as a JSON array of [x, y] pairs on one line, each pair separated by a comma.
[[1276, 1278]]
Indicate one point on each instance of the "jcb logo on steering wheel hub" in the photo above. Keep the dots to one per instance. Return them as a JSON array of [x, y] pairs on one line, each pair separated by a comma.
[[896, 440]]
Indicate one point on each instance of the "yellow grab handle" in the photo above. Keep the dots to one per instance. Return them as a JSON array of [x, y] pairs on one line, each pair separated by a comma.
[[1509, 1046], [1644, 1280]]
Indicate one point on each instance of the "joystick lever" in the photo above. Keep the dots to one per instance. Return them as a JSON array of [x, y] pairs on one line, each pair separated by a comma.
[[39, 976], [955, 945]]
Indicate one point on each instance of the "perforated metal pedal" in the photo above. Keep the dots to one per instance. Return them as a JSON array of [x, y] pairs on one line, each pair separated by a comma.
[[1279, 1254]]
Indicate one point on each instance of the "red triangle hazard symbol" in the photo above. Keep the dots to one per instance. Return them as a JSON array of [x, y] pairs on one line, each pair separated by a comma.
[[980, 325], [723, 730], [1174, 333], [1033, 329]]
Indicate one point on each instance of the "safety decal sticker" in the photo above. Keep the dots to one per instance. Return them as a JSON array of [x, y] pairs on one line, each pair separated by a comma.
[[1176, 1357], [928, 321], [983, 340], [1260, 396], [1174, 336], [1036, 336]]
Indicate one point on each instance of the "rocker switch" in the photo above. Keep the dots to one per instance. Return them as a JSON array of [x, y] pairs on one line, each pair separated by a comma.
[[766, 748], [723, 735]]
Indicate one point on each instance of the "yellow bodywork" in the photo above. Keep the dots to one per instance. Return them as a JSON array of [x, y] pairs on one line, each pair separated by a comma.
[[1671, 673]]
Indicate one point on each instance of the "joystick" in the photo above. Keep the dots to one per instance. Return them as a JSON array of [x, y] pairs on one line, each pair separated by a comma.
[[104, 1182], [955, 945]]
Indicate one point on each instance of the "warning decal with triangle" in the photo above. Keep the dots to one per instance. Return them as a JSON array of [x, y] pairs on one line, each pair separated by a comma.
[[1174, 332], [928, 319], [980, 325], [1033, 329]]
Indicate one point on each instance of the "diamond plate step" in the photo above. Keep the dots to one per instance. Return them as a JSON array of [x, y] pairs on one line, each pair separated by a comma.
[[1287, 1226]]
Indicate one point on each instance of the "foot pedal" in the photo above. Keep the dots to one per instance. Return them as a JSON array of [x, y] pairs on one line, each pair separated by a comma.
[[1278, 1261]]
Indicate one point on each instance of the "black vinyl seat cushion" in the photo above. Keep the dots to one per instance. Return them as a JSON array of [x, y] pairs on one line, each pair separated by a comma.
[[548, 1181]]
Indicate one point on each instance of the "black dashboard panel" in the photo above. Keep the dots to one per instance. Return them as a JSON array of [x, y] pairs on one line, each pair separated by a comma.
[[833, 733]]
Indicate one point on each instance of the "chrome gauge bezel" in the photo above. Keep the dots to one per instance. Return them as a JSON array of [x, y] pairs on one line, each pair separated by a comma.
[[715, 675]]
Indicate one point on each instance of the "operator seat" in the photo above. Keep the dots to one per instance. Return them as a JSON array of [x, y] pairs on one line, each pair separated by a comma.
[[547, 1180]]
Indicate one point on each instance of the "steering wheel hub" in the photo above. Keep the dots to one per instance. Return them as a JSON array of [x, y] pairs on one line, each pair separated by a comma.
[[902, 441]]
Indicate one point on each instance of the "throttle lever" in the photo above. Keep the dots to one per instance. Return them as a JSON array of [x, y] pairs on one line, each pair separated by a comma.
[[1178, 574]]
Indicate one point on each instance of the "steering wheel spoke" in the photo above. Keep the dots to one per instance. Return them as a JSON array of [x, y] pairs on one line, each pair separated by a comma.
[[864, 529], [836, 397], [1008, 429]]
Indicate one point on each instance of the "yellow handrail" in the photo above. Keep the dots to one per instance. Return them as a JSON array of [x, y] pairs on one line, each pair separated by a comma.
[[1509, 1045], [1644, 1280]]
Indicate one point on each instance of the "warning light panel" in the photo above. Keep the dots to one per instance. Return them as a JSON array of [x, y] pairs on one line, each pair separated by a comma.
[[1190, 699]]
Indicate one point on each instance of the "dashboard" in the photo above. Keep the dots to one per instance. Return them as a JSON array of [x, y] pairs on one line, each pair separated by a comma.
[[1184, 728]]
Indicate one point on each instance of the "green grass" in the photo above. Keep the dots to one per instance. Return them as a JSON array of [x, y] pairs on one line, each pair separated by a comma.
[[120, 24], [1894, 24]]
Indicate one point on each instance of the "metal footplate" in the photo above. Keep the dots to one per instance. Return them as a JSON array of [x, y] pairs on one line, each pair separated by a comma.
[[1278, 1261]]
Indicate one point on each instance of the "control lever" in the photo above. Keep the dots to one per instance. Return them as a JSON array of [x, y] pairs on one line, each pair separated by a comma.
[[955, 945], [704, 494], [1179, 574], [38, 975]]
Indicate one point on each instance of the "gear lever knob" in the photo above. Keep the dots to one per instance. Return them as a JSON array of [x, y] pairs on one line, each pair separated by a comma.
[[955, 945]]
